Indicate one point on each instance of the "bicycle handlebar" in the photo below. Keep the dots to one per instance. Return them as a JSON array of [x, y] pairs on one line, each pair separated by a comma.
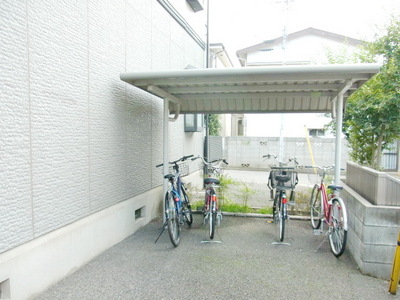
[[291, 159], [319, 168], [183, 158], [324, 168], [212, 162]]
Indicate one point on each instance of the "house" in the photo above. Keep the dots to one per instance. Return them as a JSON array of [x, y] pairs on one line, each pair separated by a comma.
[[232, 124], [78, 147], [304, 47], [308, 46]]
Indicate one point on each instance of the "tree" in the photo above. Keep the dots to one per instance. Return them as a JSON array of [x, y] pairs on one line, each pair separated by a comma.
[[214, 125], [372, 118]]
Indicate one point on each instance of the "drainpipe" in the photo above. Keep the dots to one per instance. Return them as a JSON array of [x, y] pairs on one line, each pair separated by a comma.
[[165, 151]]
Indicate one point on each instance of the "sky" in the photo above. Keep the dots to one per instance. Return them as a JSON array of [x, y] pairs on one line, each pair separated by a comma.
[[242, 23]]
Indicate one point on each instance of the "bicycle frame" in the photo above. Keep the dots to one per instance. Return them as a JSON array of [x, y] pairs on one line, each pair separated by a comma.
[[177, 208], [211, 213], [176, 192], [211, 209], [211, 198], [329, 209], [325, 205], [280, 179]]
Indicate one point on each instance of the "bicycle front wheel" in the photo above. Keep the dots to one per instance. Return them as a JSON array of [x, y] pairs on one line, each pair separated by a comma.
[[338, 227], [279, 215], [172, 217], [316, 207], [187, 208], [282, 219]]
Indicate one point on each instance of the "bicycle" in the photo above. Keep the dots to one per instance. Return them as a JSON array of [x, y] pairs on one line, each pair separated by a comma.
[[177, 205], [211, 210], [281, 179], [329, 209]]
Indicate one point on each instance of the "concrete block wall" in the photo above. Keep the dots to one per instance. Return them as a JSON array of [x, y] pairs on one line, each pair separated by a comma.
[[372, 235], [379, 188], [76, 140], [247, 152]]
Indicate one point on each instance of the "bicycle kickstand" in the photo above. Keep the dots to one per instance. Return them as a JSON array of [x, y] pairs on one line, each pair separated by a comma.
[[163, 228], [326, 236]]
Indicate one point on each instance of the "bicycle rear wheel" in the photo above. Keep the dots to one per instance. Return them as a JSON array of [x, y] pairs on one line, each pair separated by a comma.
[[212, 220], [172, 219], [338, 229], [282, 223], [187, 208], [316, 207]]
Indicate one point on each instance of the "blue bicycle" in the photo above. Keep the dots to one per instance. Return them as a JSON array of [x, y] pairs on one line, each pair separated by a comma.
[[177, 205]]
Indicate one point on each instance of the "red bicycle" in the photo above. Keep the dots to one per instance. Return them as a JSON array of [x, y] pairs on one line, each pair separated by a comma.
[[212, 212], [329, 209]]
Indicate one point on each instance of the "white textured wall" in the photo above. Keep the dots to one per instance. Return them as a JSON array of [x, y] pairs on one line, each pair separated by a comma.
[[75, 139]]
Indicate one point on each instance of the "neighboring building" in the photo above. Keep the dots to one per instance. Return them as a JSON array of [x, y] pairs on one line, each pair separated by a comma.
[[232, 124], [78, 146], [308, 46], [219, 58]]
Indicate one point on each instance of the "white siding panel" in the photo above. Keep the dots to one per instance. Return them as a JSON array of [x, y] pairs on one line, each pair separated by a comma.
[[15, 159], [107, 104], [59, 112]]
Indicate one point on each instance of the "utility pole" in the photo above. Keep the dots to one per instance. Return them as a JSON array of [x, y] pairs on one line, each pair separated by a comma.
[[207, 116], [284, 41]]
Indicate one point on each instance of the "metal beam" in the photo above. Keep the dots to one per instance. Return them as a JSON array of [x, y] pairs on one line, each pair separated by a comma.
[[262, 95], [231, 89], [155, 90]]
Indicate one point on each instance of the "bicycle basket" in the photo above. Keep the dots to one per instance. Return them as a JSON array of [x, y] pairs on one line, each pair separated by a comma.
[[183, 169], [289, 175], [215, 171]]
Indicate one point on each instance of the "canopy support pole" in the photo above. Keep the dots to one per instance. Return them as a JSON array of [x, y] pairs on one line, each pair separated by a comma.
[[339, 126], [338, 143]]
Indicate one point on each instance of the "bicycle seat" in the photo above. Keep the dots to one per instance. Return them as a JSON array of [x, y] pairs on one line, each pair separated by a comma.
[[210, 180], [168, 176], [335, 187], [282, 178]]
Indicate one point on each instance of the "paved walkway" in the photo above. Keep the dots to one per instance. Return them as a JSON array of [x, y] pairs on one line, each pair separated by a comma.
[[247, 264]]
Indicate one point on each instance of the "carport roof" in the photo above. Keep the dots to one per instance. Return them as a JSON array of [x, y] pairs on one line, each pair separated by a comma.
[[311, 88]]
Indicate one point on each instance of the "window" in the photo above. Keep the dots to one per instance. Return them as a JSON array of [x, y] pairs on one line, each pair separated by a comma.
[[196, 5], [193, 122], [316, 132], [240, 129]]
